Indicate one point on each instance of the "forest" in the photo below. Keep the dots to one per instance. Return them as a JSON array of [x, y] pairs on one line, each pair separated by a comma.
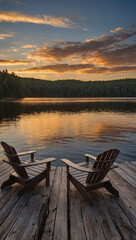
[[13, 86]]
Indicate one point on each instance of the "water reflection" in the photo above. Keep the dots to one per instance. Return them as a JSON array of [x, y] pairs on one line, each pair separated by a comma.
[[70, 128], [11, 110]]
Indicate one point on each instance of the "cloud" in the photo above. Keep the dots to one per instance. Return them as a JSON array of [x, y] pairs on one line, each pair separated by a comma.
[[13, 62], [6, 16], [103, 50], [117, 30], [6, 35], [60, 68], [106, 54], [102, 70], [122, 55], [80, 68], [123, 69], [29, 46]]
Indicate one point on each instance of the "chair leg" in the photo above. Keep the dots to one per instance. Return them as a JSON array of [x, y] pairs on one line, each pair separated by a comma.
[[68, 181], [9, 182], [30, 185], [24, 190], [48, 174], [80, 189], [68, 185], [86, 197], [111, 189]]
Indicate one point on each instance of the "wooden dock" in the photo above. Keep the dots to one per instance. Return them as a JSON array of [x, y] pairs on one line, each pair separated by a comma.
[[54, 214]]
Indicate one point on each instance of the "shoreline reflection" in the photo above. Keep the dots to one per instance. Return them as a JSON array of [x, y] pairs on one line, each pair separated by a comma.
[[69, 129]]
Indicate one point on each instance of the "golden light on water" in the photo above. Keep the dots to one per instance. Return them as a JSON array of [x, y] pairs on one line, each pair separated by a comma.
[[52, 127]]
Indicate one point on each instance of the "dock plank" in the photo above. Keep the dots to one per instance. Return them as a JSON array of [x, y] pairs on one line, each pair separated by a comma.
[[13, 216], [27, 213], [61, 224], [128, 171], [77, 230], [130, 165], [126, 176], [100, 224], [119, 218], [53, 213], [48, 230]]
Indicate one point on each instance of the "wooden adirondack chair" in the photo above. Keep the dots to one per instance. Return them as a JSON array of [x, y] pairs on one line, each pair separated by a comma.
[[28, 173], [86, 178]]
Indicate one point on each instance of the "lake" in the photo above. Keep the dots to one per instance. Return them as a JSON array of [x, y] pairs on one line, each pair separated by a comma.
[[69, 127]]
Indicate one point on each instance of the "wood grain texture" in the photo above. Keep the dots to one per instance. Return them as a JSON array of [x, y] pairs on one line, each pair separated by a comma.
[[54, 213]]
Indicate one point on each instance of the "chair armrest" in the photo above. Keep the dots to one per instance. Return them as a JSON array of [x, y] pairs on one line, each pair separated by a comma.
[[90, 156], [29, 164], [25, 153], [83, 169], [20, 154], [39, 162]]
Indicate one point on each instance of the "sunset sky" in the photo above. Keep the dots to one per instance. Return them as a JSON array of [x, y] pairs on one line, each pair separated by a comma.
[[73, 39]]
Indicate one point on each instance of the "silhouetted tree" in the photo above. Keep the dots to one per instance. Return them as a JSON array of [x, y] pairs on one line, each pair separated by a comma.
[[13, 86]]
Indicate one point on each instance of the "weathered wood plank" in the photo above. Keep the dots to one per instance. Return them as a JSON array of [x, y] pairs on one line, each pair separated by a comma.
[[5, 176], [45, 211], [4, 172], [126, 189], [124, 226], [13, 215], [61, 223], [76, 174], [48, 230], [97, 221], [77, 230], [8, 196], [7, 207], [4, 191], [133, 162], [129, 171], [127, 199], [127, 177], [3, 167], [130, 165], [29, 219], [71, 218]]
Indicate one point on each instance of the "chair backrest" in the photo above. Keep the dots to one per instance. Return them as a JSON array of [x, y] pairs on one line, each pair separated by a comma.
[[12, 156], [104, 160]]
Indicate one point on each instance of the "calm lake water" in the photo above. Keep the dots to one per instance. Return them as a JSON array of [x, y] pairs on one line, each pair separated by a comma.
[[69, 128]]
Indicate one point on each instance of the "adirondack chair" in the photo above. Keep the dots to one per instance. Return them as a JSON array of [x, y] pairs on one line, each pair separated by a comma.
[[86, 178], [27, 173]]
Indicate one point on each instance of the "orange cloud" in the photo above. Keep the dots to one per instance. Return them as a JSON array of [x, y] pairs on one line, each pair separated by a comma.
[[6, 35], [122, 55], [29, 46], [105, 50], [13, 62], [117, 30], [80, 68], [123, 69], [59, 68], [61, 22]]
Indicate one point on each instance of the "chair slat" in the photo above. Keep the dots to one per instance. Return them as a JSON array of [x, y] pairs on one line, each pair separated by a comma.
[[29, 178], [15, 159], [108, 157]]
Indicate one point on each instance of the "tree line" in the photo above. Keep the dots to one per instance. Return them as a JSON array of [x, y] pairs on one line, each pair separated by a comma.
[[13, 86]]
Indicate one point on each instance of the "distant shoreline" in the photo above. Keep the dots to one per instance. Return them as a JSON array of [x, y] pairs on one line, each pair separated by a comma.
[[69, 99], [12, 86]]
